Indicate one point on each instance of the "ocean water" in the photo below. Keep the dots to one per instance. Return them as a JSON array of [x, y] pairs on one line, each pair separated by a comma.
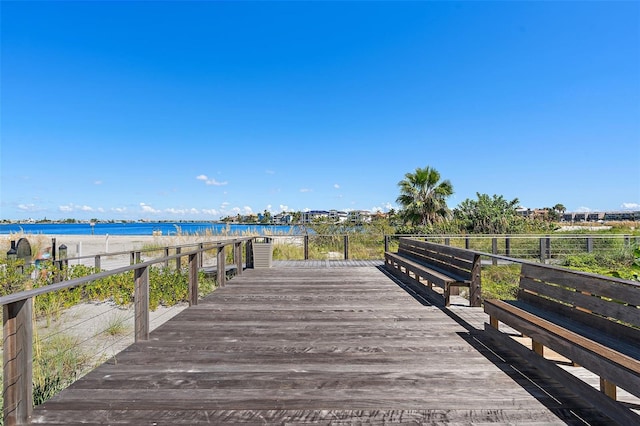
[[148, 228]]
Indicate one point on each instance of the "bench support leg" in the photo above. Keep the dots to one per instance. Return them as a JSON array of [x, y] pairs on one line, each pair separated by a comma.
[[608, 388], [493, 322], [537, 347]]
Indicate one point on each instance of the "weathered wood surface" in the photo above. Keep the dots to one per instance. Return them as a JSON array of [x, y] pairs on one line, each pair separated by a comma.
[[313, 345], [582, 317]]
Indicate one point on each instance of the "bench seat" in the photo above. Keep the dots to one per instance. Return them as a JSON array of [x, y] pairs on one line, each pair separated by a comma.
[[594, 321], [420, 262]]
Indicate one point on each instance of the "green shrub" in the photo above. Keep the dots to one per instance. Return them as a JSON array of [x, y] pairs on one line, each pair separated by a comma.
[[500, 282]]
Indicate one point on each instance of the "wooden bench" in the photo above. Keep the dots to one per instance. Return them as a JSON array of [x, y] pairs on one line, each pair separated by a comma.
[[592, 320], [445, 266]]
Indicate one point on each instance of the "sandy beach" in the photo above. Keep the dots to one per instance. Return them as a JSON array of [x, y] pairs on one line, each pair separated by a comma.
[[88, 245]]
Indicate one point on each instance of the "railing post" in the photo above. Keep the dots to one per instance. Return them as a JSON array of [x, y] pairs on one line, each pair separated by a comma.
[[386, 243], [507, 246], [97, 263], [141, 303], [201, 254], [306, 247], [193, 279], [18, 362], [467, 242], [166, 254], [548, 246], [346, 247], [248, 253], [222, 276], [132, 258], [589, 244], [542, 250], [237, 256], [475, 289], [447, 241], [178, 259], [494, 250]]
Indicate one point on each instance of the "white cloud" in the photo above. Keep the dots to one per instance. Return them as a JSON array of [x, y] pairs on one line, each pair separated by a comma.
[[66, 208], [86, 208], [583, 209], [119, 209], [28, 207], [208, 181], [212, 212], [270, 172], [305, 190], [284, 208], [97, 182], [148, 209], [247, 210], [630, 206], [336, 186]]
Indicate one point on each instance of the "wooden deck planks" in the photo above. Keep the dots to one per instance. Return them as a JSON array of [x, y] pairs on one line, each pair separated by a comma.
[[305, 345]]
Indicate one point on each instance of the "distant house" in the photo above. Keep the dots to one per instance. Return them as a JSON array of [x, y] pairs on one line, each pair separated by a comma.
[[359, 216], [311, 215], [282, 218]]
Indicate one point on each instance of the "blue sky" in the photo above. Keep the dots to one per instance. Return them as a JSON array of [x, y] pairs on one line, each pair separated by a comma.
[[197, 110]]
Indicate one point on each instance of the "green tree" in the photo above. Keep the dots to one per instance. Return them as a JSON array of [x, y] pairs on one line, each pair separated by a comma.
[[423, 197], [489, 215]]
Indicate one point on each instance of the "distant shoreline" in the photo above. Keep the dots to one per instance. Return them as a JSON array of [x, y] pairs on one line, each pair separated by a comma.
[[149, 229]]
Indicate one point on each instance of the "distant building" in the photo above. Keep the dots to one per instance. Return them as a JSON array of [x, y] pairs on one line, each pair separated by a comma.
[[359, 216]]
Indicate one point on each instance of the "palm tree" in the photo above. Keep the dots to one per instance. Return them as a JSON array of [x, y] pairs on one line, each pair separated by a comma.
[[423, 197]]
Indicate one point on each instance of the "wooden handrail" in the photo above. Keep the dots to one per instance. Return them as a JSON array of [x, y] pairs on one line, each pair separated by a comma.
[[18, 328]]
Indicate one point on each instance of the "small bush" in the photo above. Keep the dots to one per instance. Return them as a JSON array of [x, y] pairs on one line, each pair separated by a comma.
[[500, 282]]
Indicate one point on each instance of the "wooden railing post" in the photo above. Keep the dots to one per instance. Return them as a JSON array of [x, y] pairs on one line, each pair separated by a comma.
[[222, 276], [507, 245], [17, 381], [447, 241], [201, 254], [542, 250], [306, 247], [141, 303], [193, 279], [166, 254], [346, 247], [237, 256], [475, 289], [386, 243], [248, 253], [178, 259], [97, 263], [494, 250], [467, 242]]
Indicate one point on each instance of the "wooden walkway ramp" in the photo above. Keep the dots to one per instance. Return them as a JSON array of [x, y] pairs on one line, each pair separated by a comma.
[[312, 346]]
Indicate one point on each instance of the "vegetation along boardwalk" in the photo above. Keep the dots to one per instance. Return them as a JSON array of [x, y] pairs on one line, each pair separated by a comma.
[[336, 345]]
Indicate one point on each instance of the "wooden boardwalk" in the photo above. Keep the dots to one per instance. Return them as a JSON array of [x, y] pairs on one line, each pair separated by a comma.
[[316, 345]]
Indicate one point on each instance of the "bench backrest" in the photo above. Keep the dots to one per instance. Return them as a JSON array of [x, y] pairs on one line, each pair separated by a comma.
[[607, 303], [457, 261]]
